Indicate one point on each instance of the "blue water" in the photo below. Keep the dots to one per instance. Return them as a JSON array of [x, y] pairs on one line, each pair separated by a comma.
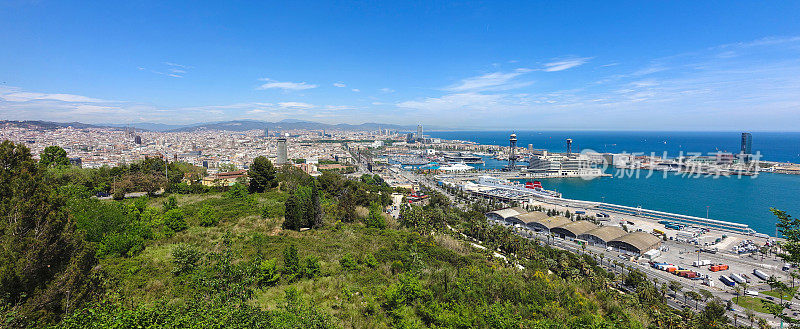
[[743, 200], [774, 146]]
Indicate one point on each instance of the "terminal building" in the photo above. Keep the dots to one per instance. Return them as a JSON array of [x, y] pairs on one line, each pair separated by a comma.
[[505, 214], [600, 236], [562, 165], [635, 243]]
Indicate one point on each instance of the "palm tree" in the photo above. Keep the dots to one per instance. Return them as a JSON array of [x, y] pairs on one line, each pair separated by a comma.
[[750, 316], [738, 290]]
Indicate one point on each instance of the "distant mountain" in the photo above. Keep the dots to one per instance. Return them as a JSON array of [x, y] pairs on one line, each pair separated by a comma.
[[289, 124], [236, 125], [50, 125], [149, 126]]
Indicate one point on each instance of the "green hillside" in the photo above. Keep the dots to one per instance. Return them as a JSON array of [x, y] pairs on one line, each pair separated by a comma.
[[287, 251]]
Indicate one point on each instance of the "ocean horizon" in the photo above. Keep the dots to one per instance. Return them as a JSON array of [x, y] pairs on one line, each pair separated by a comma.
[[745, 200]]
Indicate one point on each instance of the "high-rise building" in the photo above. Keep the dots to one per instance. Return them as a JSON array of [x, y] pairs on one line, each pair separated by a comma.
[[569, 146], [747, 143], [419, 133], [747, 147], [137, 140], [283, 157], [266, 132]]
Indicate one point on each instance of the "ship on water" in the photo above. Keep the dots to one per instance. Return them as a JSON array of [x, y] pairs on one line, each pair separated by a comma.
[[463, 157], [531, 187]]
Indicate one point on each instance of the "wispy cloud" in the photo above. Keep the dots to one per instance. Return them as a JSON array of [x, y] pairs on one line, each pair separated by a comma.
[[387, 90], [296, 105], [356, 90], [565, 64], [491, 81], [169, 69], [274, 84], [339, 85]]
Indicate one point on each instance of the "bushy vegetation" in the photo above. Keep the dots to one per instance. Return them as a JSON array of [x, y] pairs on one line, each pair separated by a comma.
[[235, 259]]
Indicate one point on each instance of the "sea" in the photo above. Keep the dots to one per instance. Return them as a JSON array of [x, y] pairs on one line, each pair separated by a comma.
[[745, 199]]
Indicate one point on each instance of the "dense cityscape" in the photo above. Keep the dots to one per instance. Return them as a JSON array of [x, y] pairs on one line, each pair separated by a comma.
[[395, 164]]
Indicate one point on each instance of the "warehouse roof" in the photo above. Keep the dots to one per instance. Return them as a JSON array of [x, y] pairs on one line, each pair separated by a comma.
[[577, 227], [507, 212], [606, 233], [642, 241], [530, 217], [554, 221]]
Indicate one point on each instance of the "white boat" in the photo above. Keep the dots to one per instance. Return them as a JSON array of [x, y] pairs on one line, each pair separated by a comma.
[[456, 167]]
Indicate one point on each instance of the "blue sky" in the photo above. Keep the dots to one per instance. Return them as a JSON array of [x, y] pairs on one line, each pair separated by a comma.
[[667, 65]]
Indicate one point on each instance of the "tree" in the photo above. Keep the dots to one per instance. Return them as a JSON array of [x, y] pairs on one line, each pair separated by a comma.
[[713, 315], [293, 213], [675, 286], [291, 263], [45, 266], [375, 218], [315, 209], [693, 296], [262, 175], [53, 156]]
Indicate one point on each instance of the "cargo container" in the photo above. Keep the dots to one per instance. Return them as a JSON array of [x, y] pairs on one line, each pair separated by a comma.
[[737, 278], [703, 262], [720, 267], [727, 281], [760, 275]]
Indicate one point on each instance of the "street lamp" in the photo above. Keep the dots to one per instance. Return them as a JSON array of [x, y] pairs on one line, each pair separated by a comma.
[[707, 211]]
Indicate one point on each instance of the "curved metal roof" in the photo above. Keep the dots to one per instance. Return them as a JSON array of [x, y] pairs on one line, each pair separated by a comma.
[[530, 217], [606, 233], [642, 241], [507, 212], [577, 227], [554, 221]]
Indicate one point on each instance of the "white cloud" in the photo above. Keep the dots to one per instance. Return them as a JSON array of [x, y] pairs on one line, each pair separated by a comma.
[[339, 85], [490, 81], [565, 64], [273, 84], [356, 90], [454, 102], [15, 95], [296, 105], [387, 90]]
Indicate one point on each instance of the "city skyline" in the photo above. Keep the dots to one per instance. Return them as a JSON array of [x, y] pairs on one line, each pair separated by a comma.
[[590, 66]]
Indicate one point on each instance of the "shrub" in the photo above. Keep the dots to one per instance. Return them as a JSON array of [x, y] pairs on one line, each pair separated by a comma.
[[173, 219], [375, 218], [291, 263], [348, 262], [170, 203], [268, 274], [120, 244], [184, 258], [310, 267], [370, 261], [208, 216], [272, 209], [238, 191]]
